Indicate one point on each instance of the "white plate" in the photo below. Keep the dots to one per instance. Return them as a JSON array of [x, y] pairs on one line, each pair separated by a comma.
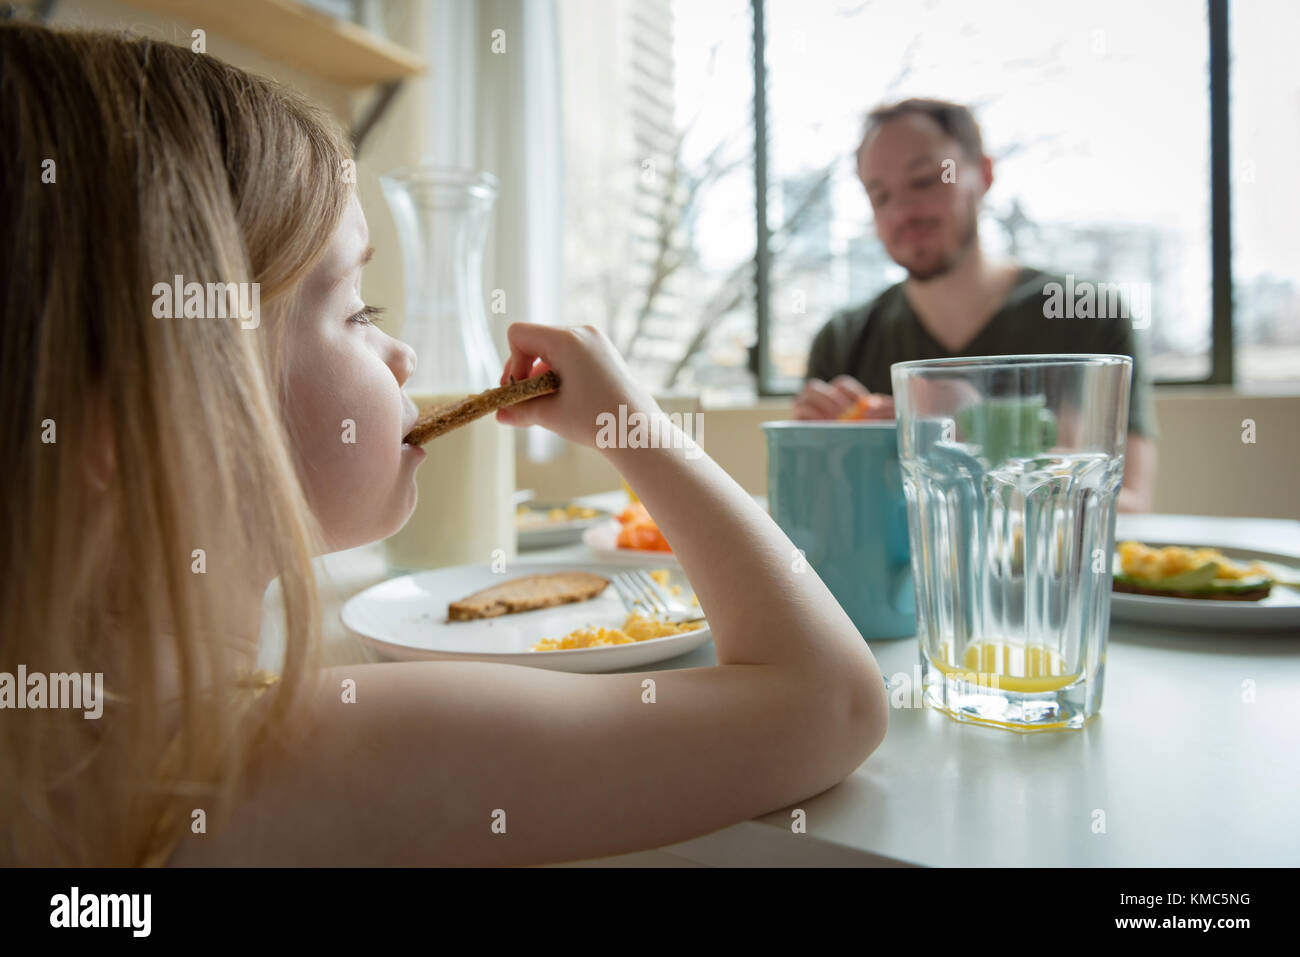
[[603, 540], [1279, 611], [406, 618], [546, 534]]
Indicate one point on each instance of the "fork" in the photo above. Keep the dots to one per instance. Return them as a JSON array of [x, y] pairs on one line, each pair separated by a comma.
[[641, 594]]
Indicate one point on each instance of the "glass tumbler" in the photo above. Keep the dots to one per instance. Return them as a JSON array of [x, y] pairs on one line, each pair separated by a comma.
[[1011, 468]]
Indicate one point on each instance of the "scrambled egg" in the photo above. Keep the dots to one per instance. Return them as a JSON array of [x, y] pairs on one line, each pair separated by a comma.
[[1142, 561], [660, 575], [636, 628]]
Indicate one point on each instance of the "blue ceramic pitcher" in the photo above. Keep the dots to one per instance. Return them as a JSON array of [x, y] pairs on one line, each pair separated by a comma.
[[836, 490]]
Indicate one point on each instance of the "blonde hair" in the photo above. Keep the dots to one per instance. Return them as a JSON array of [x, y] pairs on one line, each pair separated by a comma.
[[164, 163]]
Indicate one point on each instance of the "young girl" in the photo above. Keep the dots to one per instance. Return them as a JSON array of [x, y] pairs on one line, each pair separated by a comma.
[[163, 468]]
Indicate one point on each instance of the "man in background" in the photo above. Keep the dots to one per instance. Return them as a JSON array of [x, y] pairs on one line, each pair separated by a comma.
[[923, 165]]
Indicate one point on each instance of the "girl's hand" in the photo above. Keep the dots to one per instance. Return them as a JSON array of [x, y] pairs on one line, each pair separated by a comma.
[[593, 379]]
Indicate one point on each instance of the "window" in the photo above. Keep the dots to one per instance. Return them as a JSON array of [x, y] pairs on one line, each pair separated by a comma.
[[1265, 119], [1088, 178], [659, 202], [1121, 154]]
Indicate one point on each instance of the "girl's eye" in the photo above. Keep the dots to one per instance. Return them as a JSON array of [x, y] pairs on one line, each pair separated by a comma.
[[367, 316]]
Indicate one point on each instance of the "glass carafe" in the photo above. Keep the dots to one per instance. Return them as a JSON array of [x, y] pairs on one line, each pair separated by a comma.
[[464, 513]]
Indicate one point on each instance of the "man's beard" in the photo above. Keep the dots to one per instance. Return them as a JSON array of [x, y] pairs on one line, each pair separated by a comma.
[[949, 262]]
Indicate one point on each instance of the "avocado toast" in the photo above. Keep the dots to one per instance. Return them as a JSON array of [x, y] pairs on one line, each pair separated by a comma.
[[1179, 572]]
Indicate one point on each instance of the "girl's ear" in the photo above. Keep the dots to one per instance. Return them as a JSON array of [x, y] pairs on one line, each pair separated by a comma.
[[99, 461]]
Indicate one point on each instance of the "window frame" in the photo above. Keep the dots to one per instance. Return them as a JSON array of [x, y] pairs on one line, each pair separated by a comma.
[[1222, 358]]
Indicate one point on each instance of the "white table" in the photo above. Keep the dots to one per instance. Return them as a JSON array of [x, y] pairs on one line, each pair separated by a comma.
[[1178, 767]]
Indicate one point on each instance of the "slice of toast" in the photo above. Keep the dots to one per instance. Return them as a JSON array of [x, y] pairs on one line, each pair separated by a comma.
[[527, 593], [439, 419]]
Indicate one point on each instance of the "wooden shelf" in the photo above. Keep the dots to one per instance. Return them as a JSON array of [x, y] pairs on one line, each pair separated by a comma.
[[297, 36]]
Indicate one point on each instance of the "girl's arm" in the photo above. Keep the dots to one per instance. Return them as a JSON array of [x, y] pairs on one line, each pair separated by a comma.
[[475, 764]]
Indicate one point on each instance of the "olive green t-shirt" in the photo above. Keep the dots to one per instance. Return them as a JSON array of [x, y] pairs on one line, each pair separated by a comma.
[[864, 341]]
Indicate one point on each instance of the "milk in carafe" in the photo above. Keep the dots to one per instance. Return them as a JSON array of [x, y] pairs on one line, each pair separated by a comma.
[[466, 482]]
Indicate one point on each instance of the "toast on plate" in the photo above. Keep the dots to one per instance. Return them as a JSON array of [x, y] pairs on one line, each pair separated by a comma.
[[527, 593]]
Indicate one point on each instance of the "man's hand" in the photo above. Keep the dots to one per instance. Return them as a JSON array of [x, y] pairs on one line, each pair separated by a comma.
[[828, 400]]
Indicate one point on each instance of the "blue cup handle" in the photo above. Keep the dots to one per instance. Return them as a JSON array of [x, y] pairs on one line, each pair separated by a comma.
[[902, 591]]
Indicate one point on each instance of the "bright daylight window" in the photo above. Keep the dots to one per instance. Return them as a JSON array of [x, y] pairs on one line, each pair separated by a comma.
[[1097, 118], [659, 201], [1265, 203]]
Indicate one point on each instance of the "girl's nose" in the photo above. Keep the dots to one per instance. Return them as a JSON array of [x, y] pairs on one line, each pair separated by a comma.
[[403, 361]]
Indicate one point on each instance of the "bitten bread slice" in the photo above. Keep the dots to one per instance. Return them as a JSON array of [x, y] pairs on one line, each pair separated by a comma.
[[527, 593], [438, 419]]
